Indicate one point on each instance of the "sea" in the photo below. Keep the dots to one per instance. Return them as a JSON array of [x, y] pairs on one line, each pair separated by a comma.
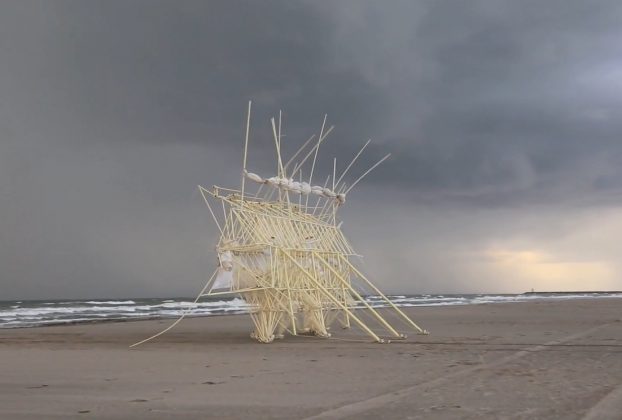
[[36, 313]]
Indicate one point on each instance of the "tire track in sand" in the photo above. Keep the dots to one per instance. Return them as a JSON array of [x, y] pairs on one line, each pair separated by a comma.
[[391, 397]]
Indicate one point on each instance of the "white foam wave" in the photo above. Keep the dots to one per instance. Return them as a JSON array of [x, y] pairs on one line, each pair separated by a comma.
[[110, 302], [46, 313]]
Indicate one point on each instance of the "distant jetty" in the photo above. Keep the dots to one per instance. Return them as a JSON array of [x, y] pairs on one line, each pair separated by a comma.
[[586, 292]]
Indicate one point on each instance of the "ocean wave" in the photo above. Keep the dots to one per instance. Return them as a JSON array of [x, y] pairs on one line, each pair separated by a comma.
[[29, 314], [110, 302]]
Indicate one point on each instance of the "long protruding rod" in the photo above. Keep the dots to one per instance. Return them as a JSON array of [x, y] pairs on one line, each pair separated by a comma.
[[306, 143], [368, 171], [278, 148], [352, 162], [183, 315], [312, 150], [248, 126], [316, 149], [279, 139]]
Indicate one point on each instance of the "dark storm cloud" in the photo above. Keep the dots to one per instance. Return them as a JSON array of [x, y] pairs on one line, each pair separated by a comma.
[[490, 98], [111, 113]]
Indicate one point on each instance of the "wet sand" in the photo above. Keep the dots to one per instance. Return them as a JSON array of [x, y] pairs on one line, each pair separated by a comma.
[[546, 359]]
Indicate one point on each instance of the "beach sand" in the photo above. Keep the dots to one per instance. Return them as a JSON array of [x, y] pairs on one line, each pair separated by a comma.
[[545, 359]]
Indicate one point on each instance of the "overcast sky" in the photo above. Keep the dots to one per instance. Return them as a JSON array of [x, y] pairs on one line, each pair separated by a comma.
[[503, 118]]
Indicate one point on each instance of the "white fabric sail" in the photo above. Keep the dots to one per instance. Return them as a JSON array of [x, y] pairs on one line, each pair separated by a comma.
[[224, 278]]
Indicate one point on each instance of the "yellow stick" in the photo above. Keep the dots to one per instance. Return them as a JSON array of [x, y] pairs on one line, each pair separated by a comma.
[[358, 296], [248, 125], [334, 299], [386, 299], [183, 315]]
